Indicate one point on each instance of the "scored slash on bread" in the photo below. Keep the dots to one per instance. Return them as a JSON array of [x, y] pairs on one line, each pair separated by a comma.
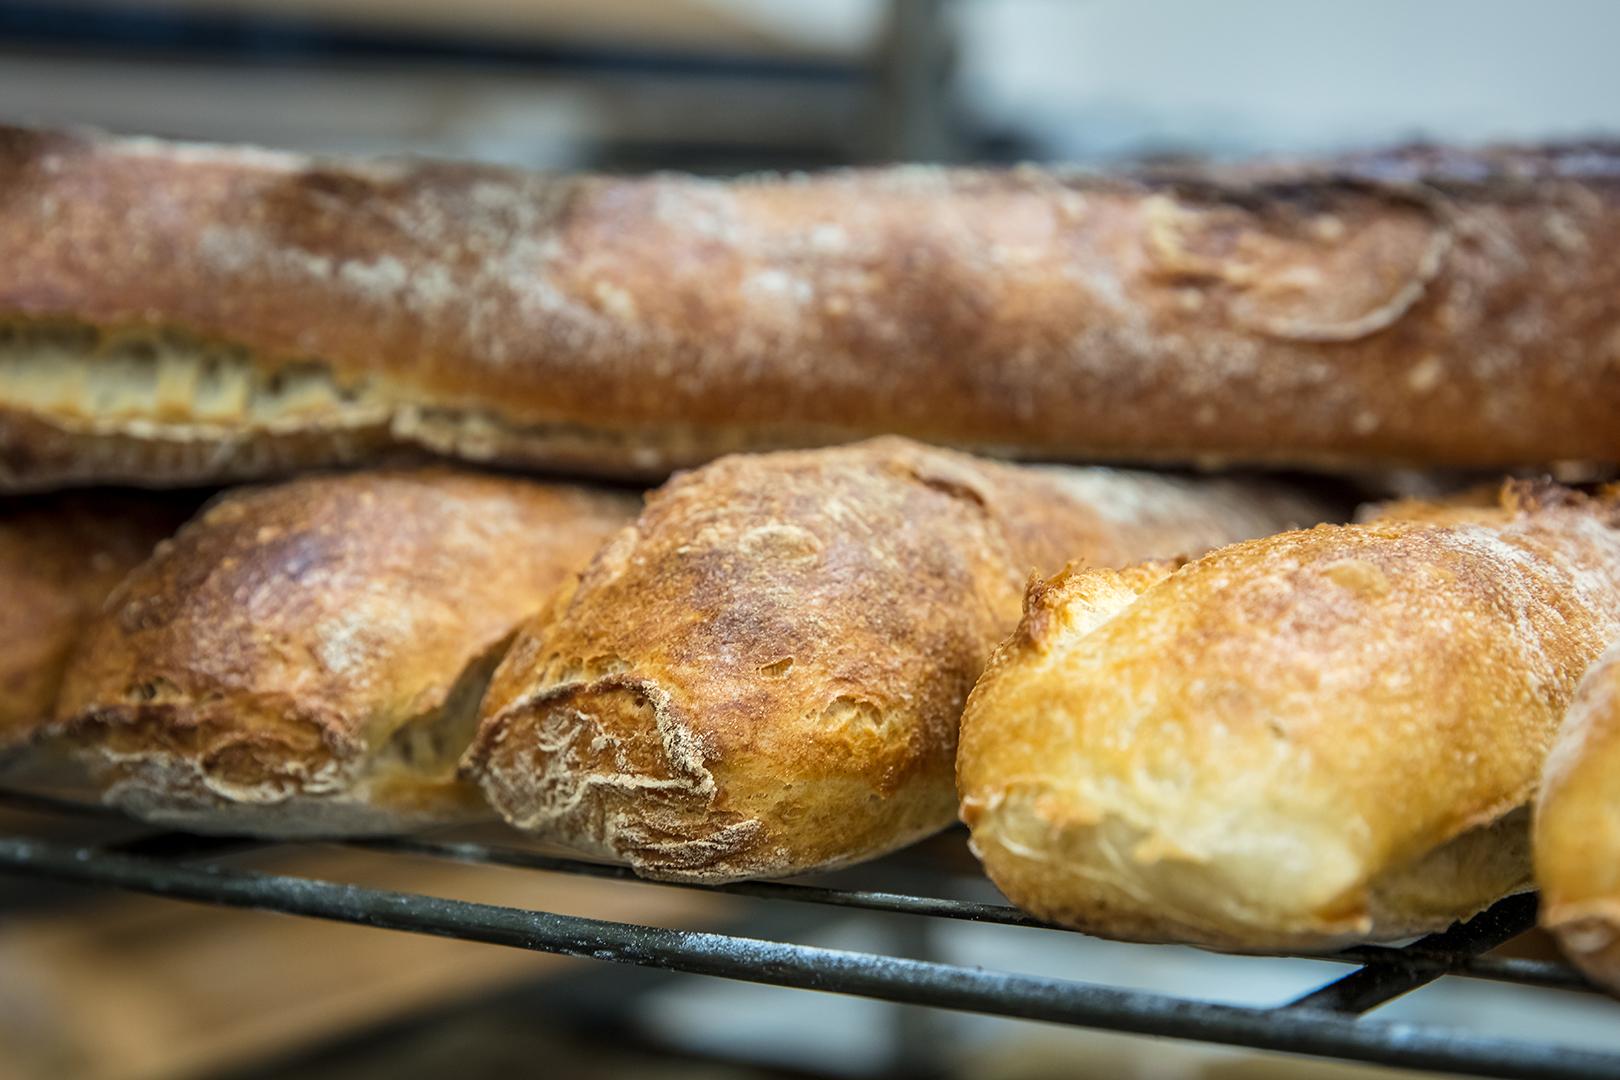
[[764, 676], [1294, 742], [173, 313]]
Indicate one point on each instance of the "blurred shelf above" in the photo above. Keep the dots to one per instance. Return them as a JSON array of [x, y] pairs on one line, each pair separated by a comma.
[[676, 36]]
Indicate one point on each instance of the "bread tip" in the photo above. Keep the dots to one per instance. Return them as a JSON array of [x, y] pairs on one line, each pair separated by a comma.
[[1040, 604], [1589, 934], [608, 767]]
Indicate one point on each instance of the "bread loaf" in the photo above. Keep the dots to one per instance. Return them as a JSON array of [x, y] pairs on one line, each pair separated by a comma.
[[764, 676], [173, 313], [1577, 828], [307, 658], [1295, 742], [59, 558]]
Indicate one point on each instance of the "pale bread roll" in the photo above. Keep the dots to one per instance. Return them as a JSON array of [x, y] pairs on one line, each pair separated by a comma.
[[307, 658], [1295, 742], [764, 675]]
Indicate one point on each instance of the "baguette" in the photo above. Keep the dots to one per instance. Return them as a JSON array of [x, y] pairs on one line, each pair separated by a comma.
[[59, 558], [1577, 828], [1296, 742], [306, 659], [175, 313], [764, 676]]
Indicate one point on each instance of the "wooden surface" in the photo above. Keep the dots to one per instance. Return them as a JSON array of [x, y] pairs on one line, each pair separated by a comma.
[[132, 987]]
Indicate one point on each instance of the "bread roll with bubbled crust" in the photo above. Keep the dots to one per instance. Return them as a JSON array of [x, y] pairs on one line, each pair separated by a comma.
[[764, 675], [1294, 742], [306, 658], [175, 313], [1577, 828], [59, 558]]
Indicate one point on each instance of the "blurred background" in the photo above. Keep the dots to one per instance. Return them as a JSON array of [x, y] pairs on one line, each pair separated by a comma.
[[725, 85], [106, 986]]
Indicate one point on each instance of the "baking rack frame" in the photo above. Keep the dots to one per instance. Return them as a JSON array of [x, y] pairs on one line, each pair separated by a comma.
[[1326, 1022]]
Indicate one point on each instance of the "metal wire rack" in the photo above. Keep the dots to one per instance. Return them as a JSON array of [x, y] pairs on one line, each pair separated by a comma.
[[1327, 1021]]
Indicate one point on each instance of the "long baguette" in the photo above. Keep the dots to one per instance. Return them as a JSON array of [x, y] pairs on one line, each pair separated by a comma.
[[175, 313], [306, 658], [764, 676], [1295, 742]]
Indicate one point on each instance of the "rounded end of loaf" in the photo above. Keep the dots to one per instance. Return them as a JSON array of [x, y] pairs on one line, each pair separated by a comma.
[[1589, 934], [610, 768], [613, 767], [1577, 828], [1075, 847]]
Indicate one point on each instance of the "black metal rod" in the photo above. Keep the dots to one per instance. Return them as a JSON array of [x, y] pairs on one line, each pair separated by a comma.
[[1426, 960], [805, 967], [1549, 974], [864, 899], [1528, 972]]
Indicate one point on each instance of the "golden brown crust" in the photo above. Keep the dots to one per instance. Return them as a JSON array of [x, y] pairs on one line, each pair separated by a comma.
[[307, 657], [1438, 309], [1294, 742], [1577, 828], [59, 558], [764, 675]]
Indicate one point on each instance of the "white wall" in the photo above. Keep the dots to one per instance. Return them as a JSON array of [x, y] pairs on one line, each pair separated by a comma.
[[1098, 78]]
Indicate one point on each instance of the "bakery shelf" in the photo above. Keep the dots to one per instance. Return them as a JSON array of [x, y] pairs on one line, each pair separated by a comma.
[[1328, 1021], [249, 33]]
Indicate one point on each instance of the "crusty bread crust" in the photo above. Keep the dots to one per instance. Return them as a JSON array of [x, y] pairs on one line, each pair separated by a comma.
[[59, 558], [307, 657], [764, 675], [264, 311], [1577, 828], [1296, 742]]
